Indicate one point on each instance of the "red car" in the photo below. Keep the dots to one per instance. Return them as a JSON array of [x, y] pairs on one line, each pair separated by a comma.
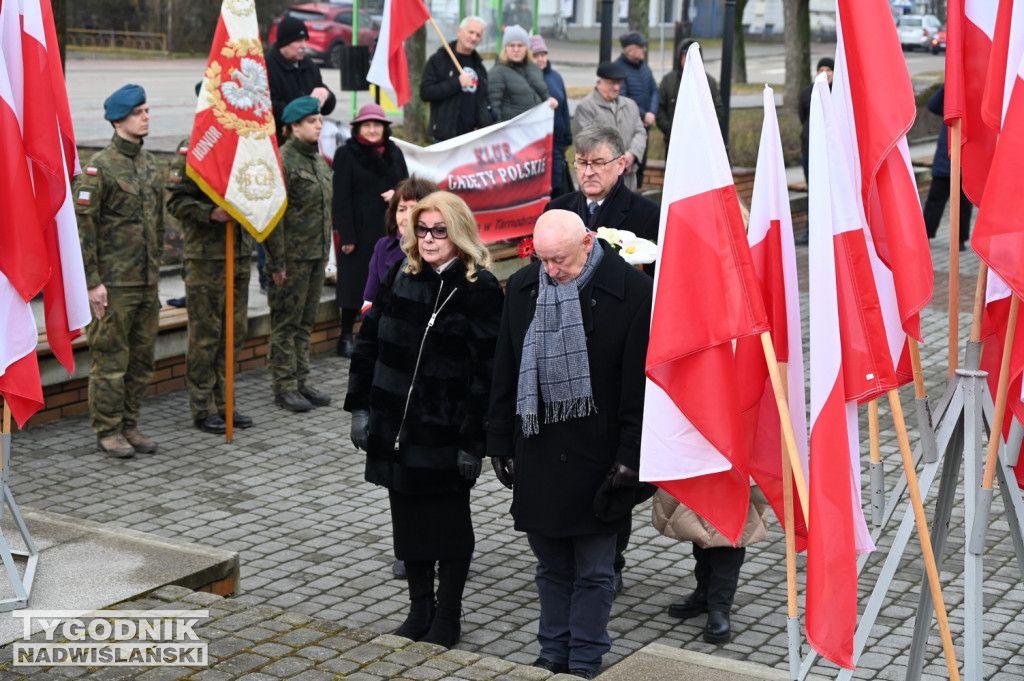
[[330, 27], [939, 41]]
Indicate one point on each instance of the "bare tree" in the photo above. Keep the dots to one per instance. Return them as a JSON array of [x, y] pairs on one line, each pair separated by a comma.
[[415, 111], [798, 50], [640, 17], [739, 48], [60, 20]]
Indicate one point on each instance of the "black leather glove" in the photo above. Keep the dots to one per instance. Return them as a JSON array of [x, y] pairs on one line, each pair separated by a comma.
[[503, 469], [360, 429], [624, 476], [469, 465]]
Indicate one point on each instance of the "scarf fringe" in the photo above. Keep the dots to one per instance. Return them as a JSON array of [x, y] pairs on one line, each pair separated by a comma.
[[564, 410], [531, 425]]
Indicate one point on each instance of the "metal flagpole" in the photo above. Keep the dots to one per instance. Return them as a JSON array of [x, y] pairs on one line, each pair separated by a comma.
[[22, 586]]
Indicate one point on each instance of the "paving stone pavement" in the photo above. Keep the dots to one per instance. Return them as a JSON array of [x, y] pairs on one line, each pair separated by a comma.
[[314, 541]]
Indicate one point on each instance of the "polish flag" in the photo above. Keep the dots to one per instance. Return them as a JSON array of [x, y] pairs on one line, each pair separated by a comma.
[[995, 323], [874, 100], [998, 236], [969, 33], [389, 68], [836, 238], [770, 235], [1001, 74], [705, 296], [49, 140]]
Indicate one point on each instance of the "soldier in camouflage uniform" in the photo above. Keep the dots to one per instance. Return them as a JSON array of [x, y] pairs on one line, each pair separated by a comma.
[[203, 224], [119, 203], [297, 250]]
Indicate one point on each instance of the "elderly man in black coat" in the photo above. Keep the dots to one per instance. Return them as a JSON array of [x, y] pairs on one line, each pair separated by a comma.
[[564, 426]]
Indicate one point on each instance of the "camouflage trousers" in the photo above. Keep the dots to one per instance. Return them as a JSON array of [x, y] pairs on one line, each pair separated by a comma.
[[206, 357], [293, 308], [121, 351]]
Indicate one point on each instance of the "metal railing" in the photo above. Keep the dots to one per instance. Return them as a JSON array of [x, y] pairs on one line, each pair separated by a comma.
[[91, 39]]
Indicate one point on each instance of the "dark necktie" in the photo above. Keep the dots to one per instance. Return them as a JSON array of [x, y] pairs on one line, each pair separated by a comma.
[[592, 209]]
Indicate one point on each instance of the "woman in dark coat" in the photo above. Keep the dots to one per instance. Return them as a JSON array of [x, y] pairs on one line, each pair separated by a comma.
[[515, 83], [418, 389], [366, 169], [388, 249]]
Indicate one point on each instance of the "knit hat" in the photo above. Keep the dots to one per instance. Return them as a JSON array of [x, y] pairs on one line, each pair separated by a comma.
[[515, 34], [289, 30], [371, 112], [118, 105], [299, 108], [632, 38], [537, 45], [826, 61]]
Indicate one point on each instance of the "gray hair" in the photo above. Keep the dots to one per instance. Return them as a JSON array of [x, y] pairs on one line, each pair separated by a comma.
[[590, 138], [472, 19]]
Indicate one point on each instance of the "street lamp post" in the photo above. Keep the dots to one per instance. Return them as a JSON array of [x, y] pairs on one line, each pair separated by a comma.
[[726, 80], [606, 31]]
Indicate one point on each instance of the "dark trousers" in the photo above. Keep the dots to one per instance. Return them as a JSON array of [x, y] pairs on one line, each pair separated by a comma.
[[576, 584], [718, 574], [935, 206]]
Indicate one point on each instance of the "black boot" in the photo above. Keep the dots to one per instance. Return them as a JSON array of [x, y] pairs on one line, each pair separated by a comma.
[[346, 345], [421, 599], [451, 580]]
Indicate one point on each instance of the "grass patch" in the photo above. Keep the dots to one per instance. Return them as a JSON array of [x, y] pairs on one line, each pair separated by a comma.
[[744, 137]]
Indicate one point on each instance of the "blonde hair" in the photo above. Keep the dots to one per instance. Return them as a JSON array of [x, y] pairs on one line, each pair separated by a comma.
[[462, 231], [503, 55]]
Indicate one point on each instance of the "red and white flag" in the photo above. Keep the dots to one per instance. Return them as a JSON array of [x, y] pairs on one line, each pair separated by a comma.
[[1002, 63], [874, 99], [998, 236], [389, 68], [770, 234], [970, 29], [836, 235], [995, 322], [37, 127], [232, 154], [705, 296]]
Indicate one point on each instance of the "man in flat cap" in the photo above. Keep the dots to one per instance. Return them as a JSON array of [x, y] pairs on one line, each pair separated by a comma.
[[639, 85], [604, 107], [292, 73], [119, 204], [204, 227]]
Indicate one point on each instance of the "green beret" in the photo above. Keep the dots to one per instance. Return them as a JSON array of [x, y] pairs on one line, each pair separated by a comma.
[[299, 108], [118, 105]]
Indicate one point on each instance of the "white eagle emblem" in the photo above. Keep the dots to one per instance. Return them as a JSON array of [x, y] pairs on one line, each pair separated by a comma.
[[252, 91]]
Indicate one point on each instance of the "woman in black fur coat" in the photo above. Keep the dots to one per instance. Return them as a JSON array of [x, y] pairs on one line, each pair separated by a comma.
[[418, 389], [366, 170]]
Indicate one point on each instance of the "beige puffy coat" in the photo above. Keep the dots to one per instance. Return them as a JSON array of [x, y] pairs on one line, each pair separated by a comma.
[[678, 522]]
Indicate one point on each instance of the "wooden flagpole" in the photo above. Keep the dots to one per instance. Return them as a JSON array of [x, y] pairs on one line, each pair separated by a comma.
[[790, 529], [447, 47], [6, 431], [922, 531], [979, 302], [995, 435], [954, 247], [787, 424], [229, 333]]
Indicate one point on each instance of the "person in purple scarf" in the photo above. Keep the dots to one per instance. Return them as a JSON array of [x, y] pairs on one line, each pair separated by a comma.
[[388, 249]]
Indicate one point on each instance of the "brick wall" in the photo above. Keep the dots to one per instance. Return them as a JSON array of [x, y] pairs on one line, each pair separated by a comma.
[[71, 397]]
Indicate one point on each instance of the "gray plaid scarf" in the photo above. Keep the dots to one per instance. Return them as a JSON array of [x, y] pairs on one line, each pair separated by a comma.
[[555, 353]]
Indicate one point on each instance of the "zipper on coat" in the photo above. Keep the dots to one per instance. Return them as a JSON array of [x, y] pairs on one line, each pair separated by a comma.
[[419, 356]]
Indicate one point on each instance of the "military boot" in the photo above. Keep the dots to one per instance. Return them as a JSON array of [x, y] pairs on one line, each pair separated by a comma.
[[139, 442], [115, 446]]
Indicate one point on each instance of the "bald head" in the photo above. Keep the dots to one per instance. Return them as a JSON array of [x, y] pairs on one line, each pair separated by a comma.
[[562, 243]]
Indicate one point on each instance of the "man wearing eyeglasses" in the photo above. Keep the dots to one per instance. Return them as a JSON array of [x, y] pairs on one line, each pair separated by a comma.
[[605, 108], [603, 200]]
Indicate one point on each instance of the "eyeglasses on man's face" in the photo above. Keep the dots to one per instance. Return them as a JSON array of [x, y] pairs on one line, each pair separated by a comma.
[[438, 231], [596, 165]]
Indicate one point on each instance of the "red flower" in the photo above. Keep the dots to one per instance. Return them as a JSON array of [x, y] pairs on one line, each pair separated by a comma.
[[525, 247]]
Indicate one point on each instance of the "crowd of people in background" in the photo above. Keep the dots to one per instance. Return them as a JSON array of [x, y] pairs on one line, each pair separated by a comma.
[[546, 377]]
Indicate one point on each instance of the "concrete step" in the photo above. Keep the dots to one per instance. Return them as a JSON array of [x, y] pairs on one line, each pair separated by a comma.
[[657, 662]]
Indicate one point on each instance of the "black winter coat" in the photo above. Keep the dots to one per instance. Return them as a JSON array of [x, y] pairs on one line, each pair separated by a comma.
[[361, 175], [559, 470], [450, 392], [288, 81], [440, 87]]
